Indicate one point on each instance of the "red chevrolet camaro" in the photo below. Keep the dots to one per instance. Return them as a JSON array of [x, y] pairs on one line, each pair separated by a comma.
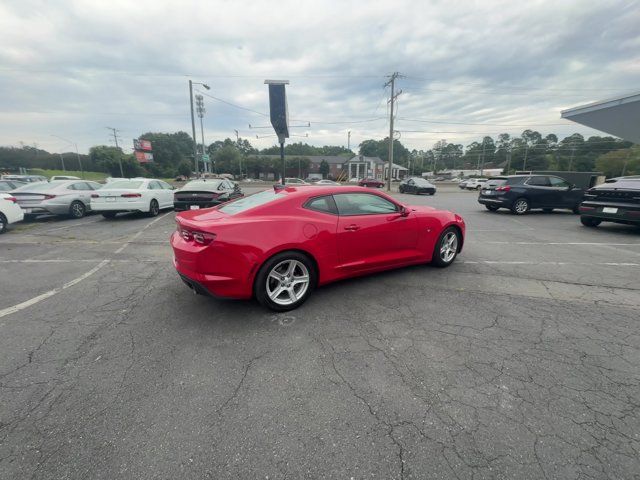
[[279, 244]]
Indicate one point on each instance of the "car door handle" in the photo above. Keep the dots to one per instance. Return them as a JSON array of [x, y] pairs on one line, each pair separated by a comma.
[[352, 228]]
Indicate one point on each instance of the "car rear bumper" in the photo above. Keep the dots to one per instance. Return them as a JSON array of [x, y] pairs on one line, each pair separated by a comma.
[[624, 213], [13, 213], [120, 206], [180, 206], [497, 201], [213, 269]]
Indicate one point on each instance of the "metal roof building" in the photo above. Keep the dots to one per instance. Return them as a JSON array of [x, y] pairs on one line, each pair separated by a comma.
[[616, 116]]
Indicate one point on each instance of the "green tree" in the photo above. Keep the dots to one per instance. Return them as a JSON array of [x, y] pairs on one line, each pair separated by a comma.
[[619, 162], [324, 168], [184, 168]]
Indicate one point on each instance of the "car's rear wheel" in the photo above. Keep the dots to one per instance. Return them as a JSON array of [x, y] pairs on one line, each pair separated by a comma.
[[109, 214], [520, 206], [4, 224], [154, 208], [285, 281], [590, 221], [492, 208], [77, 209], [446, 248]]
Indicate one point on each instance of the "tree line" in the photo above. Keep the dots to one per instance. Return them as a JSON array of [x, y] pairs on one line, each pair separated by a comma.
[[173, 155]]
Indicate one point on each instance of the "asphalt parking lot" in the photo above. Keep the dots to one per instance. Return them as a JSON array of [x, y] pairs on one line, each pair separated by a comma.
[[521, 360]]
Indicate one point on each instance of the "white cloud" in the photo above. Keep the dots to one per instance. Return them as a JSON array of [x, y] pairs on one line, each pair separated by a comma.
[[71, 68]]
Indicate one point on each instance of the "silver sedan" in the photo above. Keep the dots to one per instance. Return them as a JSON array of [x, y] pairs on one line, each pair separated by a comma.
[[61, 197]]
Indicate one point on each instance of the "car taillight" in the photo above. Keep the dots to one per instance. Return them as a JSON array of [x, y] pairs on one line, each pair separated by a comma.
[[13, 199], [202, 238], [131, 195], [49, 197], [505, 188], [95, 195]]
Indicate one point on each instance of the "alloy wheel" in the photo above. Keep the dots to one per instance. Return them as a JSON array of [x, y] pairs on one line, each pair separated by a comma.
[[521, 206], [287, 282], [449, 247], [3, 223], [77, 210]]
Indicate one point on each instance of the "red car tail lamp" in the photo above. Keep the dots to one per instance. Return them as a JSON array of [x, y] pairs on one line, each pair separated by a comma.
[[12, 199], [49, 197], [504, 188], [131, 195], [95, 195], [201, 238]]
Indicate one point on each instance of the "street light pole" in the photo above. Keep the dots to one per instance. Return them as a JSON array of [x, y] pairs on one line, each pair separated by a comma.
[[193, 124]]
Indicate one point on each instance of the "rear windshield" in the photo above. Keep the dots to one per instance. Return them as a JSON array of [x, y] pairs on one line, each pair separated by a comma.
[[128, 184], [627, 183], [39, 187], [200, 185], [496, 182], [251, 201]]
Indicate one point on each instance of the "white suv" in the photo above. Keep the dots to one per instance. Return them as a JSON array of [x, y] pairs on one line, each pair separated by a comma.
[[475, 183]]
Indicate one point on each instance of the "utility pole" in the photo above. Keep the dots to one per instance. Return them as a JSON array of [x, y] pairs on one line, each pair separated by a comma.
[[526, 152], [508, 172], [349, 140], [193, 129], [392, 99], [573, 151], [238, 144], [115, 139], [482, 164], [201, 111], [62, 160]]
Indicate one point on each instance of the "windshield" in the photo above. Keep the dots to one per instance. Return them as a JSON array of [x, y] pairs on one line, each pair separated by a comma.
[[252, 201], [124, 185], [200, 185], [421, 181]]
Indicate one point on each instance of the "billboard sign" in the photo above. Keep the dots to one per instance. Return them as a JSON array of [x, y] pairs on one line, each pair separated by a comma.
[[140, 144], [279, 113], [144, 157]]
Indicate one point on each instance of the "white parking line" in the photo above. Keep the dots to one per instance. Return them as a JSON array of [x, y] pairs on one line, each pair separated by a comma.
[[75, 281], [524, 262], [566, 243], [67, 260], [73, 225]]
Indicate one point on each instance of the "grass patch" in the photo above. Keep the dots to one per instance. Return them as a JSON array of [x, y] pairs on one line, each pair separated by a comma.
[[93, 176]]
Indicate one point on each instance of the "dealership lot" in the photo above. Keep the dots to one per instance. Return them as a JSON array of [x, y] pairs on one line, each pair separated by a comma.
[[521, 360]]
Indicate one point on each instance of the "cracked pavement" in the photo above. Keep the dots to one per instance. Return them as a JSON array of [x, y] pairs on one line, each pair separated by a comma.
[[522, 360]]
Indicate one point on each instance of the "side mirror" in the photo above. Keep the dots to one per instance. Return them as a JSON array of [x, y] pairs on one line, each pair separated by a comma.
[[404, 211]]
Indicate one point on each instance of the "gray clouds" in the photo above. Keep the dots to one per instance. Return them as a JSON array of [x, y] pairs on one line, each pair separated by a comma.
[[73, 67]]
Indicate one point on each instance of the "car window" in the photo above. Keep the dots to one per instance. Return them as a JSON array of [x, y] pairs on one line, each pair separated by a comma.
[[558, 182], [323, 204], [125, 184], [164, 185], [80, 186], [410, 182], [5, 187], [539, 181], [252, 201], [155, 185], [363, 204]]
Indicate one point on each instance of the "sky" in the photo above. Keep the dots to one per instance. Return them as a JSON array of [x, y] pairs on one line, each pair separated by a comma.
[[70, 69]]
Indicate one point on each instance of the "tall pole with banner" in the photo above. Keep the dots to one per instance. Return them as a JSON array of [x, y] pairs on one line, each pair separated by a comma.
[[279, 115]]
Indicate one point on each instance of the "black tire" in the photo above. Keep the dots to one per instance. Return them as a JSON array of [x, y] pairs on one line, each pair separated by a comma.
[[109, 214], [4, 224], [264, 275], [520, 206], [478, 187], [77, 209], [432, 193], [590, 221], [439, 258], [154, 208], [547, 210], [491, 208], [401, 190]]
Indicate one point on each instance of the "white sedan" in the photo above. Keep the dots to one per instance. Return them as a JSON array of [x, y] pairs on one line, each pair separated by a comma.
[[146, 195], [10, 211]]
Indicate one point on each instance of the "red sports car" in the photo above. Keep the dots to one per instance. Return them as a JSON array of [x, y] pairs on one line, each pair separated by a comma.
[[371, 182], [279, 244]]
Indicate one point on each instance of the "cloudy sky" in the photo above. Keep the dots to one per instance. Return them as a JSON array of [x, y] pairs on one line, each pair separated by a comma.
[[72, 68]]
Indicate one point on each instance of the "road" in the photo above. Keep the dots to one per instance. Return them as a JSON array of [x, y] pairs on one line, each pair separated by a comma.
[[521, 360]]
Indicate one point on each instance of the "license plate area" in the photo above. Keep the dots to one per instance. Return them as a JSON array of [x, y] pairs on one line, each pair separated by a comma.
[[194, 207], [110, 199], [609, 210]]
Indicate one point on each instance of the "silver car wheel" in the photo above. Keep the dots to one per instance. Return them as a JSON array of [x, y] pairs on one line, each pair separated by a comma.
[[521, 206], [287, 282], [77, 210], [449, 247]]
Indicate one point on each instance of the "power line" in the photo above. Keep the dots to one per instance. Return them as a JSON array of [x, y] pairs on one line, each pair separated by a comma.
[[232, 104]]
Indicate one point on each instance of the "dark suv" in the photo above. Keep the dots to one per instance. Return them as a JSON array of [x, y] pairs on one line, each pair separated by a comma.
[[617, 200], [521, 193]]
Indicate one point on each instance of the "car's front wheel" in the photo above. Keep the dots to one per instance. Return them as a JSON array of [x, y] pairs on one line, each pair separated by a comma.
[[446, 248], [154, 208], [590, 221], [77, 209], [4, 224], [285, 281]]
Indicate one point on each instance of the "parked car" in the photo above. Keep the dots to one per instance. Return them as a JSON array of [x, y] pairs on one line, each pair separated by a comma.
[[64, 177], [8, 185], [146, 195], [371, 182], [521, 193], [279, 244], [475, 183], [59, 197], [617, 200], [294, 181], [10, 211], [416, 185], [326, 182], [25, 178], [205, 193], [463, 184]]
